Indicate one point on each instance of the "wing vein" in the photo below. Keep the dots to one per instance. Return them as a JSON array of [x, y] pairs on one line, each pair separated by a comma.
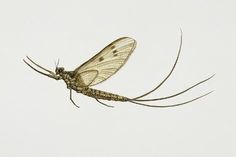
[[108, 61]]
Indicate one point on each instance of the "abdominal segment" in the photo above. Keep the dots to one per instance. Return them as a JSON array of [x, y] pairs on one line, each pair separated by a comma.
[[103, 95]]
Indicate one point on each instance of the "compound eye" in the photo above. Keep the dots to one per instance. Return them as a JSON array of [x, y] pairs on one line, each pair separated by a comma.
[[61, 69]]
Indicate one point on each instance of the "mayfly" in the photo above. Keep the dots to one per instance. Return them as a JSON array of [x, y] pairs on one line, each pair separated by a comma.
[[101, 67]]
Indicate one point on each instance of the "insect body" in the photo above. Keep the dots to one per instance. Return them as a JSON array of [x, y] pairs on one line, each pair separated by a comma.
[[102, 66], [77, 84]]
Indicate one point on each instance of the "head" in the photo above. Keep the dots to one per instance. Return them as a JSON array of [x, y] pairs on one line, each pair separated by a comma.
[[59, 70]]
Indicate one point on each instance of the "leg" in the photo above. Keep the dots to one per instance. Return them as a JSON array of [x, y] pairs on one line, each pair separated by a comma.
[[51, 74], [72, 99], [103, 103]]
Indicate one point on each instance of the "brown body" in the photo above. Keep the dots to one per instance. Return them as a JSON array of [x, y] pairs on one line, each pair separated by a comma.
[[72, 83], [103, 95]]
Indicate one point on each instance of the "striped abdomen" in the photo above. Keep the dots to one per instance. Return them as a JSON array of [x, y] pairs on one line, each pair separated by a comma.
[[103, 95]]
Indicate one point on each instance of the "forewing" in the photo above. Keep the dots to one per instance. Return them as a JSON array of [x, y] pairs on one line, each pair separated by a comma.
[[85, 78], [109, 60]]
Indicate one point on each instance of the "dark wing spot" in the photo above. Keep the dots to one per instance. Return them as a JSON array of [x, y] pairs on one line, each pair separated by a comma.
[[113, 46], [101, 59], [115, 51], [115, 55]]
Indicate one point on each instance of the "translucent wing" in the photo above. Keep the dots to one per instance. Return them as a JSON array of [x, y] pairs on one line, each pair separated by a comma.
[[85, 78], [109, 60]]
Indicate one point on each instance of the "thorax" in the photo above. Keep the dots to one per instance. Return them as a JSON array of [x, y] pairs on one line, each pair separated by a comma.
[[69, 79]]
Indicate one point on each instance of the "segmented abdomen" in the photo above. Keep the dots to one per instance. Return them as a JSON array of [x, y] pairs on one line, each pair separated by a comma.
[[103, 95]]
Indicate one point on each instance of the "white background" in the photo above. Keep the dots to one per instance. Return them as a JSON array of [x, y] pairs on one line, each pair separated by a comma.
[[37, 118]]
